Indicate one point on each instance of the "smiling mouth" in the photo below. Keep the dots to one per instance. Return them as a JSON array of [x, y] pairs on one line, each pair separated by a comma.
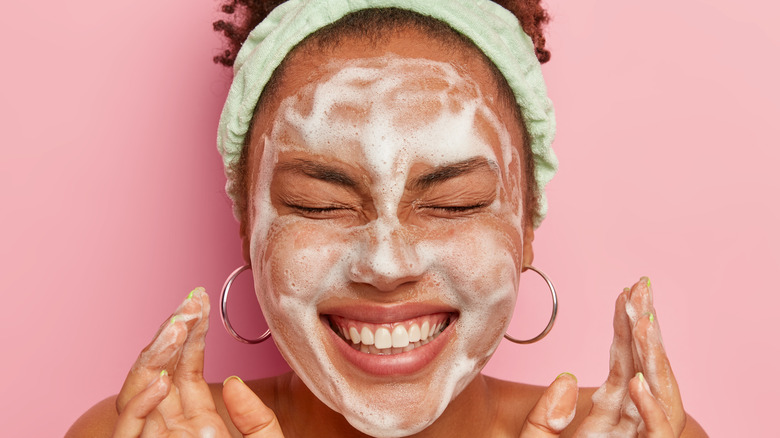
[[390, 338]]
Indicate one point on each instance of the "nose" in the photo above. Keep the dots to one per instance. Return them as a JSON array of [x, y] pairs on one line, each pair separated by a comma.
[[387, 258]]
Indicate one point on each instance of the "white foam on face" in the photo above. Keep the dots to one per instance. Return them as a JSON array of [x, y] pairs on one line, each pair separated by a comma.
[[384, 115]]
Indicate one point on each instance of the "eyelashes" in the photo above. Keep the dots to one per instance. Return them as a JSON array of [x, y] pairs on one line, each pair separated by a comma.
[[456, 208], [322, 212], [339, 211]]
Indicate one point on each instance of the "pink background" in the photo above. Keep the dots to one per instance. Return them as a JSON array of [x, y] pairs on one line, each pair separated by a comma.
[[113, 209]]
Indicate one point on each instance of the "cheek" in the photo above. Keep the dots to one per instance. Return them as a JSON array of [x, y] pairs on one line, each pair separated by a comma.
[[302, 260], [481, 256], [479, 270]]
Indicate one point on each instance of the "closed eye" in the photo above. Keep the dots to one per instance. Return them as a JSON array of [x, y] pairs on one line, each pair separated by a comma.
[[453, 210], [323, 212]]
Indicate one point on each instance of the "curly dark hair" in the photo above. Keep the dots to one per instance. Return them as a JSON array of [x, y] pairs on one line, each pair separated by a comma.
[[373, 24], [246, 14]]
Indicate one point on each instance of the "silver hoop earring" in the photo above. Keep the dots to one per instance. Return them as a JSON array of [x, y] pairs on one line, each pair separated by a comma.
[[552, 318], [223, 311]]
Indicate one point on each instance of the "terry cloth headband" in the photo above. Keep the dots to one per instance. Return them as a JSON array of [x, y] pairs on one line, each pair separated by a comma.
[[493, 29]]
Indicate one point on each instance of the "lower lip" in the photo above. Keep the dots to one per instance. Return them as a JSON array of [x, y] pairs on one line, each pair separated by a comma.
[[405, 363]]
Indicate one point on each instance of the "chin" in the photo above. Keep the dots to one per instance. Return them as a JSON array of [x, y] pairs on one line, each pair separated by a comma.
[[386, 388]]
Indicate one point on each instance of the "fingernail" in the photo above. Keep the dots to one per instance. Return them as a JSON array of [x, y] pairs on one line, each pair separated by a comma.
[[173, 319], [163, 373], [643, 383], [232, 377], [192, 292], [566, 374], [652, 318], [625, 289], [646, 279]]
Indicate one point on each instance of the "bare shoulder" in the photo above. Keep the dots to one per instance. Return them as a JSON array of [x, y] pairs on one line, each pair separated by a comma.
[[97, 422]]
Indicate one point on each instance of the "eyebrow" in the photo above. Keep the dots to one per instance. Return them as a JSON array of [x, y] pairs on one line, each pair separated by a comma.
[[442, 173], [320, 171]]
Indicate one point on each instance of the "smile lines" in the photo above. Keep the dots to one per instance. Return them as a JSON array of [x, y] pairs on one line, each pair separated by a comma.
[[390, 338]]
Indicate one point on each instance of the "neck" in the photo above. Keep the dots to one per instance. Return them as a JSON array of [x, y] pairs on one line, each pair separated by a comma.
[[471, 413]]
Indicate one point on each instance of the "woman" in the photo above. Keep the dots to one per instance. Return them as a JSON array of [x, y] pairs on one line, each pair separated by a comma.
[[387, 161]]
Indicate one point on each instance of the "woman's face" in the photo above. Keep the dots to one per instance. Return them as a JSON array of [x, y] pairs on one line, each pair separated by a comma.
[[385, 225]]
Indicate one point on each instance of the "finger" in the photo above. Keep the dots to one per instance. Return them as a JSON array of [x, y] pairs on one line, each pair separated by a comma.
[[554, 410], [132, 420], [161, 354], [655, 423], [250, 416], [608, 398], [189, 314], [194, 392], [640, 302], [658, 372]]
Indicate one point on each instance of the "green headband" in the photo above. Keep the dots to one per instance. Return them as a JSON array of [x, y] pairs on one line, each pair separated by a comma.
[[493, 29]]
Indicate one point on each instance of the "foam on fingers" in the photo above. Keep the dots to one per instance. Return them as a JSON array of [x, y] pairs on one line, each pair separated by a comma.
[[562, 404], [654, 419], [658, 373], [191, 309], [640, 300], [164, 349]]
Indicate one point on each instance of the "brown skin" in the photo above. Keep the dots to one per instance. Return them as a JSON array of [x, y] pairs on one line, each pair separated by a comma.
[[509, 405], [486, 407]]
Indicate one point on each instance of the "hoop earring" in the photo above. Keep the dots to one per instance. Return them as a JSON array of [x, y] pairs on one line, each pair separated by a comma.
[[223, 311], [552, 318]]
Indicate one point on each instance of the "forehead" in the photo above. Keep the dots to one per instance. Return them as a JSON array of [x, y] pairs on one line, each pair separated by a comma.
[[411, 75], [310, 61], [381, 103]]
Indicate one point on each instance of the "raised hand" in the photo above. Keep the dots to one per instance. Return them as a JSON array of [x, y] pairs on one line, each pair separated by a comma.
[[640, 396], [165, 394]]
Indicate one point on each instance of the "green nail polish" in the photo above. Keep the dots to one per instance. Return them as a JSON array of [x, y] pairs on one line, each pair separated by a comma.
[[648, 282], [641, 376], [625, 289], [566, 374], [652, 318], [173, 319], [232, 377], [163, 373]]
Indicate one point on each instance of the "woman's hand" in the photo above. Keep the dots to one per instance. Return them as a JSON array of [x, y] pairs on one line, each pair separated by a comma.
[[640, 396], [165, 393]]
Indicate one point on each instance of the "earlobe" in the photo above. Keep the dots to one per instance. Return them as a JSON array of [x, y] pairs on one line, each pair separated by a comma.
[[528, 246]]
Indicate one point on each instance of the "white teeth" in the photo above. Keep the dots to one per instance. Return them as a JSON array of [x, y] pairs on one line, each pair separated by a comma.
[[366, 336], [354, 335], [390, 338], [424, 330], [414, 333], [400, 337], [383, 339]]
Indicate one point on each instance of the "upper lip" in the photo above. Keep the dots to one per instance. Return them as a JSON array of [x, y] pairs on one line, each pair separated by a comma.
[[381, 314]]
